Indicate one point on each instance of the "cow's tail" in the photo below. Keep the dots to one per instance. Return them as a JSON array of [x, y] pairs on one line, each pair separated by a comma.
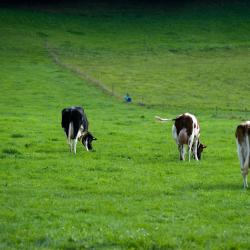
[[71, 131], [163, 119]]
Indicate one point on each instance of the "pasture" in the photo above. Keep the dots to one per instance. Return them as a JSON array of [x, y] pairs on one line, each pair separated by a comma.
[[131, 192]]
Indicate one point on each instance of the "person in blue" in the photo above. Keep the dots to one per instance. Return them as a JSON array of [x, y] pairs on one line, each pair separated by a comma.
[[127, 98]]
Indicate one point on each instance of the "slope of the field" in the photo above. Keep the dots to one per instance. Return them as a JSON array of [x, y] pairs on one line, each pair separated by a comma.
[[131, 192], [162, 55]]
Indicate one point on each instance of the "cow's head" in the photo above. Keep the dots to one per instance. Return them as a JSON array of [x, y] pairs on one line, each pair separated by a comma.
[[200, 148], [87, 139]]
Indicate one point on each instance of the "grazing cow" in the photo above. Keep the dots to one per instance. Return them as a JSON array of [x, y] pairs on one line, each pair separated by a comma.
[[242, 134], [186, 130], [75, 125]]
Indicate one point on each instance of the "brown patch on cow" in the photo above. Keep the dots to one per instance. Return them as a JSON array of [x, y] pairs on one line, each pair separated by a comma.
[[184, 121], [241, 132]]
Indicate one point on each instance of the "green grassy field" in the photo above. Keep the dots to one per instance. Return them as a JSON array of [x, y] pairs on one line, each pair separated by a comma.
[[131, 192]]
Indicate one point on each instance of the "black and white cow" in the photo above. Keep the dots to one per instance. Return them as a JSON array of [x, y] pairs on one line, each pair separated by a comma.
[[242, 135], [186, 130], [75, 125]]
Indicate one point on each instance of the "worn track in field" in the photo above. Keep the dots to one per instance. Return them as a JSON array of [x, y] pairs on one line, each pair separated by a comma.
[[54, 56]]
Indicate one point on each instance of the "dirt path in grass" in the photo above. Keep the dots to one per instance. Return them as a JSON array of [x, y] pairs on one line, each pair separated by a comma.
[[54, 56]]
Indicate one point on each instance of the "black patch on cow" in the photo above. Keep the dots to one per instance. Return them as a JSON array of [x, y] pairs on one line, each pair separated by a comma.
[[75, 115]]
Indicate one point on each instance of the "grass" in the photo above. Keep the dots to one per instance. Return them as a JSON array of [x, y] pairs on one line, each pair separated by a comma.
[[131, 192], [147, 54]]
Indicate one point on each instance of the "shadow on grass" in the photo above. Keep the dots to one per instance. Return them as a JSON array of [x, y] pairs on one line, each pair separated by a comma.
[[213, 187], [17, 136], [130, 244], [10, 153], [74, 32], [222, 186], [42, 34]]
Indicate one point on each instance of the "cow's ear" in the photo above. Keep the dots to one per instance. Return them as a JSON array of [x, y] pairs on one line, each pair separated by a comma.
[[94, 139]]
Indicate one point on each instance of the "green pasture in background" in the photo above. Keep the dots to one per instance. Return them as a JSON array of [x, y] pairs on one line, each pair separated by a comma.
[[131, 192]]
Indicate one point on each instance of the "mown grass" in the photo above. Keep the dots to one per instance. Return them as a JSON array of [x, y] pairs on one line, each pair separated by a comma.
[[131, 192]]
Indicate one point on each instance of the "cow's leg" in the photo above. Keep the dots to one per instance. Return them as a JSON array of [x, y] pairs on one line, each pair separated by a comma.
[[174, 133], [243, 167], [243, 154], [195, 149], [69, 135], [181, 149], [70, 144], [190, 144], [69, 141], [240, 152], [244, 173], [74, 144]]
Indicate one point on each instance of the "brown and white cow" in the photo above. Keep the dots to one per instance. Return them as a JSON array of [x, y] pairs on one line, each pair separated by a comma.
[[186, 130], [242, 134]]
